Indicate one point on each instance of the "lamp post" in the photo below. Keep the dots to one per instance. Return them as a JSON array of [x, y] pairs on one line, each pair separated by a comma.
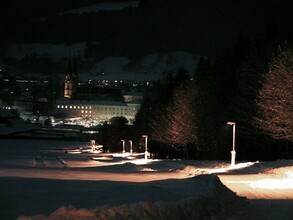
[[123, 145], [93, 143], [146, 147], [130, 144], [233, 152]]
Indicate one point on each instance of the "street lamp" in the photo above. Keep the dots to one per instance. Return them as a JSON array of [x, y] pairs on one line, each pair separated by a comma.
[[93, 144], [146, 147], [123, 145], [130, 143], [233, 152]]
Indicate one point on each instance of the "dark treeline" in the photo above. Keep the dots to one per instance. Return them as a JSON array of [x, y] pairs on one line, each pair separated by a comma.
[[250, 84], [203, 27]]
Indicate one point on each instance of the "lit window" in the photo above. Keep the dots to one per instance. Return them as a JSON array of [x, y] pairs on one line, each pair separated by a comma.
[[74, 107], [70, 106], [58, 106], [86, 112], [90, 107], [81, 107], [86, 107], [82, 111], [90, 112], [62, 106], [78, 107], [65, 106]]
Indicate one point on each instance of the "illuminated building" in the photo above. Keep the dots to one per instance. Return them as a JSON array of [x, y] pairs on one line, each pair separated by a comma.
[[102, 104]]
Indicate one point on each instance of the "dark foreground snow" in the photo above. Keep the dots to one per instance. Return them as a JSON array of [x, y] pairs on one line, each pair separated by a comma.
[[41, 180]]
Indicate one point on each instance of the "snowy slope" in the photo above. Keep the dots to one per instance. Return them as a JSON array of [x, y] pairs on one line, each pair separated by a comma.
[[112, 68], [150, 67], [105, 6], [56, 51]]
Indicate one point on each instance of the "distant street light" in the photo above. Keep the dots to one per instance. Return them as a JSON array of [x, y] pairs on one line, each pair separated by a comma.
[[233, 152], [123, 146], [146, 147], [93, 144], [130, 143]]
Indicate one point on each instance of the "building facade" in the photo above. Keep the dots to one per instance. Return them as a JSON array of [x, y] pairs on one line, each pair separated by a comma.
[[97, 109], [80, 102]]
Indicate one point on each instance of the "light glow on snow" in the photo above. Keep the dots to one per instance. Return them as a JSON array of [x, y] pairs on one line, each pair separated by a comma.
[[226, 169], [272, 184]]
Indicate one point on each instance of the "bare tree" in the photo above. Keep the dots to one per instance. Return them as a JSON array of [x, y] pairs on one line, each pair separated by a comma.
[[275, 99], [176, 125]]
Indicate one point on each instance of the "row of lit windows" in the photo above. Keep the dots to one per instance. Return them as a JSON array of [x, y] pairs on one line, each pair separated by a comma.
[[85, 111], [90, 107], [74, 107]]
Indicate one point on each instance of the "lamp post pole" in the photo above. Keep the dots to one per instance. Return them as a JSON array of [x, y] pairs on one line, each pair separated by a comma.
[[123, 146], [233, 152], [146, 147], [130, 143]]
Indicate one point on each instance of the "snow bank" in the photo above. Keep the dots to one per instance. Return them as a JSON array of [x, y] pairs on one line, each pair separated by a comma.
[[218, 203]]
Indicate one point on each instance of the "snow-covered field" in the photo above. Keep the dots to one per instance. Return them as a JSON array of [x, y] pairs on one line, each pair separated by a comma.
[[58, 180]]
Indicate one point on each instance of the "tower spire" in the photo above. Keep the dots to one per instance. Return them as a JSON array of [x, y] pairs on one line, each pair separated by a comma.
[[69, 81]]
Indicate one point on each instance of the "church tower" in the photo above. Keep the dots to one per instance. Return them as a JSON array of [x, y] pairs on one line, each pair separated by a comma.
[[70, 80]]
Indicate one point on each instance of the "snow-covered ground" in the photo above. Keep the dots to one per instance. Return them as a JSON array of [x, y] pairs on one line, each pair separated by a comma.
[[56, 180]]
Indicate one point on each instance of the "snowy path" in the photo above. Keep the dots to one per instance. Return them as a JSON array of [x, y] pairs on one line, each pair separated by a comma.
[[270, 197], [259, 186], [89, 175]]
